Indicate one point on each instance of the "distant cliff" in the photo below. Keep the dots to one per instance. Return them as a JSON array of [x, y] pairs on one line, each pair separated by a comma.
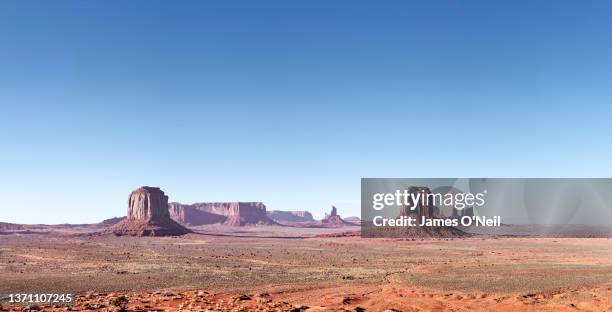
[[10, 226], [290, 216], [228, 213]]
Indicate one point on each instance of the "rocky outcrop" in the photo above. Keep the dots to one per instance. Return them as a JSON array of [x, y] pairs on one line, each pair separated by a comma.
[[415, 210], [290, 216], [148, 215], [228, 213], [148, 203], [247, 214], [419, 209], [190, 215], [334, 219]]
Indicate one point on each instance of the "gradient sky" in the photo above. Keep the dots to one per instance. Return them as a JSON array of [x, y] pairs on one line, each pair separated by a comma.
[[291, 103]]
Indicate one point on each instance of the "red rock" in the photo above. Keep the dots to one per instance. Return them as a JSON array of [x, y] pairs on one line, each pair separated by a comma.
[[190, 215], [148, 203], [290, 216], [334, 219], [229, 213], [247, 214], [148, 215]]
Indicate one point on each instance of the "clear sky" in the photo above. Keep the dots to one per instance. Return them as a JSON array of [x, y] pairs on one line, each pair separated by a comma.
[[291, 103]]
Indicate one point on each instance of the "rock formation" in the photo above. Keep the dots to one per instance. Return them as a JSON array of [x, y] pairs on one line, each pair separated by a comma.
[[355, 220], [148, 203], [467, 211], [148, 215], [247, 214], [10, 227], [422, 209], [190, 215], [290, 216], [334, 219], [229, 213]]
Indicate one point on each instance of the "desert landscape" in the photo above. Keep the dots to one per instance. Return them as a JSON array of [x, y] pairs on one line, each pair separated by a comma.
[[304, 271], [378, 156], [236, 257]]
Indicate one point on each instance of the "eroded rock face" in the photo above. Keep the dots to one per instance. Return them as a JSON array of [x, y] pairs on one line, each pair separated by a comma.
[[334, 219], [229, 213], [248, 214], [190, 215], [421, 209], [148, 215], [334, 211], [290, 216], [148, 203]]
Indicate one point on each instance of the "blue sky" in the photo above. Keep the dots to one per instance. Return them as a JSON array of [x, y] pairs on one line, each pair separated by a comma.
[[291, 103]]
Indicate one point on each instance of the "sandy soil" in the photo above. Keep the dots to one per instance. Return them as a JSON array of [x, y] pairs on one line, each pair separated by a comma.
[[269, 271]]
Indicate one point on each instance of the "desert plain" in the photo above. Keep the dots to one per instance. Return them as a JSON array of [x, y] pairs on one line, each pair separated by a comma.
[[271, 268]]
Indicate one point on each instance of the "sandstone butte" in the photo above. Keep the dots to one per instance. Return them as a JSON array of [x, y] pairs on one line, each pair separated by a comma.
[[148, 215]]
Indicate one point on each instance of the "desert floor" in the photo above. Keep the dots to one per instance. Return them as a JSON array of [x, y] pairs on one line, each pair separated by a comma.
[[272, 270]]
